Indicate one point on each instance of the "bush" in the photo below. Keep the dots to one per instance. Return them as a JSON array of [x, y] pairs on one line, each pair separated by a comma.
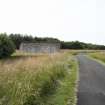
[[6, 46]]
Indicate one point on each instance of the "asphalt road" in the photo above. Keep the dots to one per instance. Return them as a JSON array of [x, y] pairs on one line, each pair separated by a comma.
[[91, 90]]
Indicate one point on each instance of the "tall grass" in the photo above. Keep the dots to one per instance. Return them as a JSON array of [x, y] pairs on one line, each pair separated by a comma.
[[98, 55], [33, 80], [66, 92]]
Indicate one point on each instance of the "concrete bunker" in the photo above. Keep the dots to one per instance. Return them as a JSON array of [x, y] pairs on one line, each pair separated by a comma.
[[40, 47]]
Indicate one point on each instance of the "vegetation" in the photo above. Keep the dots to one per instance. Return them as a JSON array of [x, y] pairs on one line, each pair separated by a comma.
[[19, 38], [6, 46], [98, 55], [38, 79], [65, 94], [80, 45]]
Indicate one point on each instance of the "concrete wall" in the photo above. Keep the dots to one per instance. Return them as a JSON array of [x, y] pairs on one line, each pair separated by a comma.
[[40, 47]]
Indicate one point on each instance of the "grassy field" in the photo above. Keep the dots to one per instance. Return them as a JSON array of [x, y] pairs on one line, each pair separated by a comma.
[[42, 79], [98, 55]]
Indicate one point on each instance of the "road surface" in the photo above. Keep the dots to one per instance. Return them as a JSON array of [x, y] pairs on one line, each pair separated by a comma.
[[91, 90]]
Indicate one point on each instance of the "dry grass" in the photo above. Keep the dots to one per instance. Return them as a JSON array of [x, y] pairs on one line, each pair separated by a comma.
[[98, 55], [28, 79]]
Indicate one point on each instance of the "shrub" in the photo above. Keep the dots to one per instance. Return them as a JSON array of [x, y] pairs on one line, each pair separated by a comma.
[[6, 46]]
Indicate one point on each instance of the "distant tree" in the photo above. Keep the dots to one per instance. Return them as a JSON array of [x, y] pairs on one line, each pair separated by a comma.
[[6, 46], [73, 45], [77, 45], [27, 38], [81, 45], [17, 39]]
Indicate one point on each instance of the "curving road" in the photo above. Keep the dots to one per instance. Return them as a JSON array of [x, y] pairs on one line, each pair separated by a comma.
[[91, 90]]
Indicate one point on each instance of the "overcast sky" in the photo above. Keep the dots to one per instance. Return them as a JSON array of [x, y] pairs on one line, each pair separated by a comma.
[[82, 20]]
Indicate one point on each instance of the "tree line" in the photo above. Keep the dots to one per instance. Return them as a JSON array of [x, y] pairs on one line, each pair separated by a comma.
[[8, 43], [18, 39], [81, 45]]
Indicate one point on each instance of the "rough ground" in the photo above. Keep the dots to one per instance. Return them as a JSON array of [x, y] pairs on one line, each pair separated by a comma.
[[92, 82]]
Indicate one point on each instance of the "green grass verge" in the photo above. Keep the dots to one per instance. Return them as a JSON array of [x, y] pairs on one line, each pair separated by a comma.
[[66, 92], [98, 55]]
